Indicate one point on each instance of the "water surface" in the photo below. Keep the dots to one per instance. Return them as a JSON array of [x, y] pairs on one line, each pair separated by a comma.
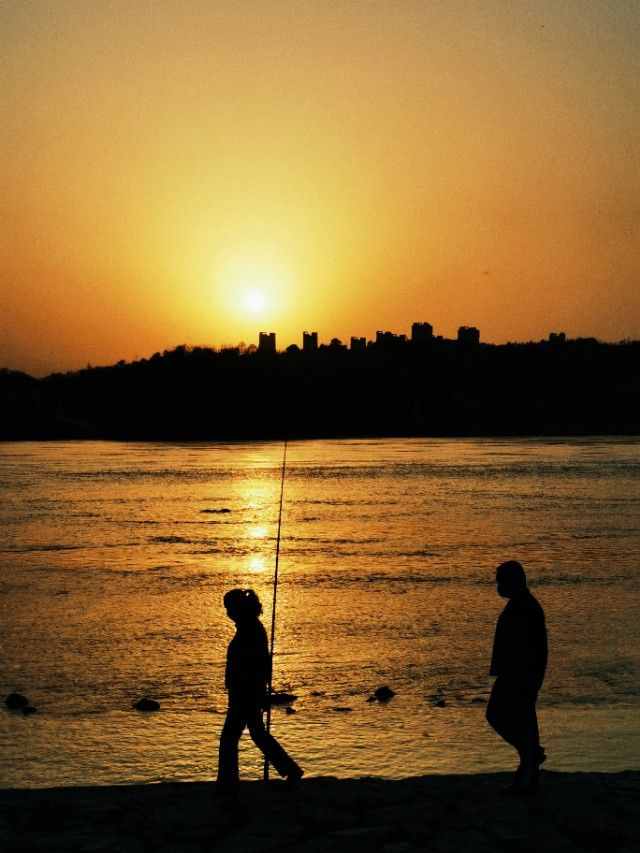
[[114, 558]]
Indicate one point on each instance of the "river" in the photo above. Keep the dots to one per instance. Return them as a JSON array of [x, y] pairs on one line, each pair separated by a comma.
[[114, 558]]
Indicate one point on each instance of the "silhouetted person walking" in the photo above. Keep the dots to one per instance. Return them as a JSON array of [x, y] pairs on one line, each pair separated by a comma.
[[519, 661], [246, 679]]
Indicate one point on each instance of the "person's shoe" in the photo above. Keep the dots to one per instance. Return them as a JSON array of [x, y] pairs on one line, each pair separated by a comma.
[[525, 782]]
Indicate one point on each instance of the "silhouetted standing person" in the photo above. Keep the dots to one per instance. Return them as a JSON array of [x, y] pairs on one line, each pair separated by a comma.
[[519, 662], [246, 679]]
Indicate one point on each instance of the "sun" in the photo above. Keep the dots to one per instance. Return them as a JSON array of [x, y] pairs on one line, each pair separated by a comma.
[[254, 301], [252, 287]]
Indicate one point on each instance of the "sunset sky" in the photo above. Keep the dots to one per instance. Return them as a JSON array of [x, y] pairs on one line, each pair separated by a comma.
[[194, 171]]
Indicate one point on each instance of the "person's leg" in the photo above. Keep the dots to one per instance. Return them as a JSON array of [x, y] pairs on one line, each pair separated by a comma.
[[511, 713], [529, 749], [501, 714], [281, 760], [228, 753]]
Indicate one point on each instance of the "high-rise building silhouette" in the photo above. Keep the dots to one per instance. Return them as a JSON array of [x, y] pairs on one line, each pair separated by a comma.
[[309, 341], [358, 344], [267, 342], [557, 337], [468, 335], [421, 332], [389, 339]]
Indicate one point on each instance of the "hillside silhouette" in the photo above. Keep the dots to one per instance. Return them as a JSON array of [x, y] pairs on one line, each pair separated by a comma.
[[390, 387]]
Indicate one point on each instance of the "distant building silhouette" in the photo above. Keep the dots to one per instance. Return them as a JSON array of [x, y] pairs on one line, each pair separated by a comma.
[[309, 341], [583, 387], [421, 332], [388, 339], [468, 335], [557, 337], [336, 343], [267, 342]]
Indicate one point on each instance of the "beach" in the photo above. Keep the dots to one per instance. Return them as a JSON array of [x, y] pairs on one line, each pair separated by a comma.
[[571, 812]]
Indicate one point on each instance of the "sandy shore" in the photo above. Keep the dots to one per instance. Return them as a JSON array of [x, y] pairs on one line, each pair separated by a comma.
[[466, 814]]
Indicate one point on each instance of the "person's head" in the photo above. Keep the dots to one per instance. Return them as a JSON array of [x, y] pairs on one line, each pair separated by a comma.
[[511, 579], [242, 604]]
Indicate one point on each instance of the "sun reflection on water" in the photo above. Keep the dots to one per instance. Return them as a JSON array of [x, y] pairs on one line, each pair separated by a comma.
[[257, 563]]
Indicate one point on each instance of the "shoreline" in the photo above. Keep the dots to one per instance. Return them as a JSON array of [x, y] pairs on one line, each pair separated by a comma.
[[571, 812], [270, 438]]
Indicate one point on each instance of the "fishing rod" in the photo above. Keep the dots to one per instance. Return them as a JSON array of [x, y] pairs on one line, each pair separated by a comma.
[[273, 608]]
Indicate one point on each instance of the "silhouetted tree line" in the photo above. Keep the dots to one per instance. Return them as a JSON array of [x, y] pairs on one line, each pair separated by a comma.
[[439, 387]]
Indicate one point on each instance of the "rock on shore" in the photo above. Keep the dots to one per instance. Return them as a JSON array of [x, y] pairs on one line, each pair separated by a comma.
[[444, 814]]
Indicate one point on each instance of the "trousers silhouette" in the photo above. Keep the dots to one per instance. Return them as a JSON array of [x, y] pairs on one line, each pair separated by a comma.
[[238, 718], [511, 712]]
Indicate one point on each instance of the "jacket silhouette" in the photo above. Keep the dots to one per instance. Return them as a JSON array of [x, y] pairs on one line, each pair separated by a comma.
[[520, 643]]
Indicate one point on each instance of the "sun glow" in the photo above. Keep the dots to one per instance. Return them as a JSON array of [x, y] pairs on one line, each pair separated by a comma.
[[253, 284], [254, 301]]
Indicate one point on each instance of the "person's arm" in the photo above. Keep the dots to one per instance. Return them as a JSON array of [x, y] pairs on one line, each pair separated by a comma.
[[227, 669], [494, 669], [541, 646], [264, 661]]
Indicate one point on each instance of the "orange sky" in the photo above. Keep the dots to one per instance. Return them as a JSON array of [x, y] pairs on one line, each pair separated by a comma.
[[354, 165]]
